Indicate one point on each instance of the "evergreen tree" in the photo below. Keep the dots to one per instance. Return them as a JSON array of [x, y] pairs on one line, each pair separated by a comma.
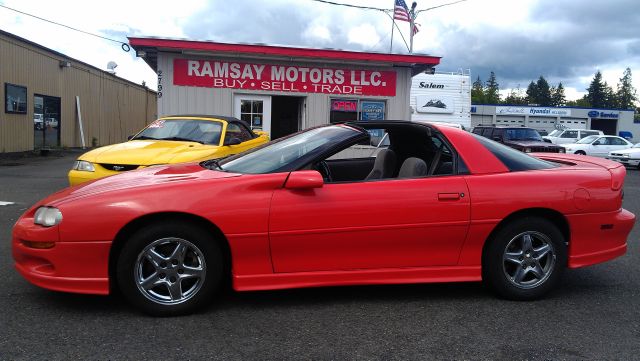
[[477, 92], [492, 90], [532, 93], [558, 98], [597, 92], [544, 92], [626, 94]]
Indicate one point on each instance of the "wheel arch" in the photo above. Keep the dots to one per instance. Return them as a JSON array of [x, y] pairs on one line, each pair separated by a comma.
[[138, 223], [555, 217]]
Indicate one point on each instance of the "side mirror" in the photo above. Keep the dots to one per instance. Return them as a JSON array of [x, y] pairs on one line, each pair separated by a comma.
[[232, 141], [304, 179], [596, 143], [130, 137]]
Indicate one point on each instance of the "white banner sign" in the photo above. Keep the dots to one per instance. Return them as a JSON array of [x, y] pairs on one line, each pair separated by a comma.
[[533, 111], [434, 104]]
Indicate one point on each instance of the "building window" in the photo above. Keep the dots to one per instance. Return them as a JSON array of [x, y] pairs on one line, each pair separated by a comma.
[[346, 110], [251, 111], [15, 99]]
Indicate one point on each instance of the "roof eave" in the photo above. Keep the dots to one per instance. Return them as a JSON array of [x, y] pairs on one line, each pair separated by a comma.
[[151, 46]]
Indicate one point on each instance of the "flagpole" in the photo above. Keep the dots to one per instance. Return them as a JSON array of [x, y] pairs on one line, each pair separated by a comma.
[[393, 23], [412, 23]]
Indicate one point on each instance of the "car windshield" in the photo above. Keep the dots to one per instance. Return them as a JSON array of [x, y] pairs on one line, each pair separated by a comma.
[[522, 134], [555, 133], [281, 154], [587, 140], [191, 130]]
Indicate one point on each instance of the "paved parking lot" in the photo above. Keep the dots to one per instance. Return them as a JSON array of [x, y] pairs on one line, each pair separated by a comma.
[[595, 314]]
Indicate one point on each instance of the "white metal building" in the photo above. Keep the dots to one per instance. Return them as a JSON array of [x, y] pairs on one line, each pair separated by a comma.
[[610, 121], [280, 89]]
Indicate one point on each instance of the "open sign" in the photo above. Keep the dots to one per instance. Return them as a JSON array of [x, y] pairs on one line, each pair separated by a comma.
[[344, 105]]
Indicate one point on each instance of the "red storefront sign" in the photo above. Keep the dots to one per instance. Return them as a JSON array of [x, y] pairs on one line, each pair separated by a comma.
[[283, 78]]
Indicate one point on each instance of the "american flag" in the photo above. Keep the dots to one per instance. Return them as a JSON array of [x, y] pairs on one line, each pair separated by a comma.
[[401, 11]]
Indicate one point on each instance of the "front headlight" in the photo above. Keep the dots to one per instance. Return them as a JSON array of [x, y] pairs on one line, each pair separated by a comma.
[[527, 150], [83, 165], [47, 216], [625, 156]]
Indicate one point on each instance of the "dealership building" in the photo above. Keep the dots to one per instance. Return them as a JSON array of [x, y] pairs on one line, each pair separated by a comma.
[[51, 100], [280, 89], [609, 121]]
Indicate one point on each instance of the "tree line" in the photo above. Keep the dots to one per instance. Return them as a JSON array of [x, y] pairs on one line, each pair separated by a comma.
[[540, 92]]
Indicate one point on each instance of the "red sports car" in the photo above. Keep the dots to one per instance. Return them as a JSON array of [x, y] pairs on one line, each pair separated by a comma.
[[342, 204]]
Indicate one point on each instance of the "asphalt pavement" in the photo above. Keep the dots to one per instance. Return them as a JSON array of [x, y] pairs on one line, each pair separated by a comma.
[[593, 315]]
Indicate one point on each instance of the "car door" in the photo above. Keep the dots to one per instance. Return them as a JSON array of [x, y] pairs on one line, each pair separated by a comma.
[[599, 148], [385, 223], [617, 144]]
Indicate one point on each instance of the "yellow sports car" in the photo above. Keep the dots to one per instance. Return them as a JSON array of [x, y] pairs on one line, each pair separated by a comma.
[[171, 139]]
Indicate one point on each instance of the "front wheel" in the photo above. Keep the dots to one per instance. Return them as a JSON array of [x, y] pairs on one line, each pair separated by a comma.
[[169, 270], [525, 259], [581, 152]]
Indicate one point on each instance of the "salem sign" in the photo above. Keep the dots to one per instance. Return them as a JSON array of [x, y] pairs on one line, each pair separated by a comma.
[[296, 79]]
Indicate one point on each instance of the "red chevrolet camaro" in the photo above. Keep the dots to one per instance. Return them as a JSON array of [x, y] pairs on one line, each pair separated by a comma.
[[343, 204]]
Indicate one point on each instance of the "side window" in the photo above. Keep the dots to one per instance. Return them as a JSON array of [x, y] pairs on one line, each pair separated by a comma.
[[496, 133], [238, 131], [486, 132], [616, 141], [441, 162], [477, 131], [586, 133], [573, 134], [601, 141]]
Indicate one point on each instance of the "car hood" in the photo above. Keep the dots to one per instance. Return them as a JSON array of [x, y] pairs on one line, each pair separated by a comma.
[[148, 152], [147, 178], [531, 143]]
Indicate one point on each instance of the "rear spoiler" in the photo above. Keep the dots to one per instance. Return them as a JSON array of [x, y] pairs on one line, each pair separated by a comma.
[[617, 170]]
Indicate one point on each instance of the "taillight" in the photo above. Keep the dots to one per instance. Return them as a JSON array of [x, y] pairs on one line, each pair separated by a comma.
[[617, 177]]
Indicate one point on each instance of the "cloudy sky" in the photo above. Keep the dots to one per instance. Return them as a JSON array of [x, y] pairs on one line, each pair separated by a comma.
[[563, 40]]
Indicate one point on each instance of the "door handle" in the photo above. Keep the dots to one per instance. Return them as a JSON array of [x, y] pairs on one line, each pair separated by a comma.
[[449, 196]]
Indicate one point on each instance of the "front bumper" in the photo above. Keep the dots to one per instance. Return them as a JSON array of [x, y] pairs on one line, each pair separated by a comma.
[[598, 237], [77, 177], [79, 267]]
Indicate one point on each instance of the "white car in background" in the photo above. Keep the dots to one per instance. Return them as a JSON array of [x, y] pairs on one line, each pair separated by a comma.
[[564, 136], [597, 145], [629, 157]]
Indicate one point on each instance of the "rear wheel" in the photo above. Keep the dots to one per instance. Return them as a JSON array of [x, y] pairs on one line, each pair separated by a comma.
[[581, 152], [168, 270], [525, 259]]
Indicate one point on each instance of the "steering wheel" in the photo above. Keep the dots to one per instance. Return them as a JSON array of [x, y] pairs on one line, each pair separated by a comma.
[[324, 169]]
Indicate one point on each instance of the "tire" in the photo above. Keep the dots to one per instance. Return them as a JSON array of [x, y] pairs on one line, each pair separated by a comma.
[[524, 259], [170, 269], [581, 152]]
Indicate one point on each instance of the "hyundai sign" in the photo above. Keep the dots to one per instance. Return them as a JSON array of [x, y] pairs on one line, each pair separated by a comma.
[[533, 111]]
